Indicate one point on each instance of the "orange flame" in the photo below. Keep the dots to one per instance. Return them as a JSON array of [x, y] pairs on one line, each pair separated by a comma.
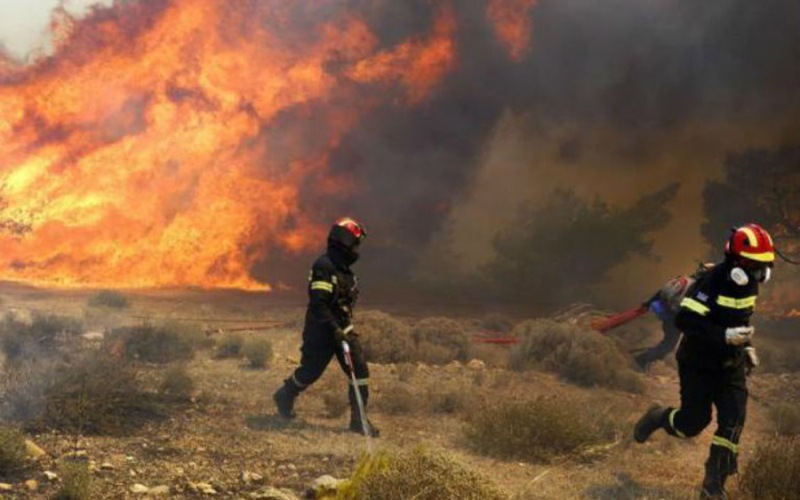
[[512, 25], [136, 155]]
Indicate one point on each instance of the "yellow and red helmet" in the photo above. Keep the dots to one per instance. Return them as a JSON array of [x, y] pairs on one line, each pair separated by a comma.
[[751, 242]]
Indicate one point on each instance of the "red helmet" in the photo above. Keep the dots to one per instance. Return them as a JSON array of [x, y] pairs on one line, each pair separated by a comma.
[[751, 242], [347, 232]]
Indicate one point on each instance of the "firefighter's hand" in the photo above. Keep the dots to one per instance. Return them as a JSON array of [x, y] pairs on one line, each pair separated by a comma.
[[739, 335], [752, 359], [339, 335]]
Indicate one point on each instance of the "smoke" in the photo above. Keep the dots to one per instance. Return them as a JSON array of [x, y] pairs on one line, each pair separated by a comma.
[[610, 99]]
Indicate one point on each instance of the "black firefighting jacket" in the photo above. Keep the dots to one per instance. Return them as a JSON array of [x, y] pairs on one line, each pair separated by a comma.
[[712, 305], [332, 291]]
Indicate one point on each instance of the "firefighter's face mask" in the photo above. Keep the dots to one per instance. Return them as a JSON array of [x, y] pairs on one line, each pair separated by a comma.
[[747, 270]]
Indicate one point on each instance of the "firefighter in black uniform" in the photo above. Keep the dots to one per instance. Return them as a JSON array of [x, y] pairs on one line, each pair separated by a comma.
[[333, 291], [715, 354]]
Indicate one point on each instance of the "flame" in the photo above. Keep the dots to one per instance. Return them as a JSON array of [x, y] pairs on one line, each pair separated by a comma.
[[144, 151], [512, 25]]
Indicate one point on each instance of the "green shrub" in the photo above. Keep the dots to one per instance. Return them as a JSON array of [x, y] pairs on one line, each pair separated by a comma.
[[417, 474], [96, 395], [258, 353], [108, 298], [230, 346], [440, 341], [786, 418], [581, 356], [155, 344], [76, 482], [385, 339], [177, 384], [773, 473], [536, 430], [12, 451]]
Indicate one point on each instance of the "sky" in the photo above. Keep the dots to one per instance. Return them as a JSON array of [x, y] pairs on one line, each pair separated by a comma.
[[23, 24]]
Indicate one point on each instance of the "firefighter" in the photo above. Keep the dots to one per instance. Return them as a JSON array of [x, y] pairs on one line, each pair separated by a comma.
[[715, 354], [665, 304], [333, 291]]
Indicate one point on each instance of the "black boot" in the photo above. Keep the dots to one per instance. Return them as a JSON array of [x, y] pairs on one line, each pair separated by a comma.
[[284, 398], [650, 422], [356, 424], [714, 485]]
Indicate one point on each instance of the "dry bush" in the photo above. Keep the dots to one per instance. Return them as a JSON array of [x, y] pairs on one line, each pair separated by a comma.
[[155, 344], [258, 353], [786, 418], [536, 430], [177, 384], [440, 341], [406, 372], [13, 455], [418, 474], [778, 357], [497, 323], [21, 340], [581, 356], [384, 338], [108, 298], [397, 399], [495, 356], [773, 473], [76, 482], [96, 395], [448, 399], [230, 346], [334, 396]]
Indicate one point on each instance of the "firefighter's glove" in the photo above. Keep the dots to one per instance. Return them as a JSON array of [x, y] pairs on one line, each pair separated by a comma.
[[739, 335], [339, 335], [752, 358]]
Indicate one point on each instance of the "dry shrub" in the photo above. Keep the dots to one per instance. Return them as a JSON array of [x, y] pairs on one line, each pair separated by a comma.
[[384, 338], [156, 344], [406, 372], [418, 474], [334, 396], [258, 353], [21, 340], [177, 383], [581, 356], [440, 341], [397, 399], [496, 323], [12, 451], [230, 346], [774, 471], [786, 418], [108, 298], [96, 395], [76, 482], [448, 400], [778, 357], [536, 430], [495, 356]]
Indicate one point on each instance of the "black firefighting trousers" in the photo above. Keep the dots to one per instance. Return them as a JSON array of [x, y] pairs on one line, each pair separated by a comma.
[[315, 359], [726, 390]]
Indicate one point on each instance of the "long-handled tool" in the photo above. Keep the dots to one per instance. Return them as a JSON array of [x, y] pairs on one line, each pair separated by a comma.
[[362, 412]]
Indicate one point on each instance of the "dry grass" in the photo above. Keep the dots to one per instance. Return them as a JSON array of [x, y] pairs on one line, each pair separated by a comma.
[[786, 418], [418, 474], [581, 356], [230, 346], [397, 399], [177, 384], [536, 430], [774, 471], [258, 353], [76, 482], [108, 298], [156, 344]]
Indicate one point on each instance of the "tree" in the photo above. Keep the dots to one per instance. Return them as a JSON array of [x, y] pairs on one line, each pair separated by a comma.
[[554, 253]]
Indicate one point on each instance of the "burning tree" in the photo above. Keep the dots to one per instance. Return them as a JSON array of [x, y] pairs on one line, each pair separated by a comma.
[[555, 252]]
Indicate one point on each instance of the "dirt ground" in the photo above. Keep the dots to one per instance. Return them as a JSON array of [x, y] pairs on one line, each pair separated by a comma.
[[230, 429]]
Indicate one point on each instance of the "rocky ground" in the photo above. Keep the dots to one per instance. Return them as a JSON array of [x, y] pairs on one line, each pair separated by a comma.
[[228, 443]]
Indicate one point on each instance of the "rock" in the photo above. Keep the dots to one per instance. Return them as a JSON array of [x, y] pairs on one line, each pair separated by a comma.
[[78, 454], [270, 493], [204, 488], [33, 450], [50, 475], [107, 466], [292, 467], [251, 478], [159, 491], [32, 485], [476, 364], [93, 336], [323, 485], [139, 489], [6, 487]]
